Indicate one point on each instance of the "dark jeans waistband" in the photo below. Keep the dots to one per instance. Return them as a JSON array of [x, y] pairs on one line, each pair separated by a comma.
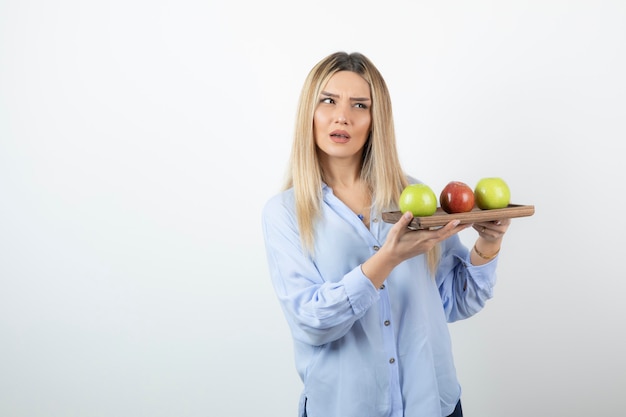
[[458, 411]]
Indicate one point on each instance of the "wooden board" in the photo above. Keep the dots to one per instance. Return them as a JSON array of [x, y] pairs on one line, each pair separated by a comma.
[[441, 218]]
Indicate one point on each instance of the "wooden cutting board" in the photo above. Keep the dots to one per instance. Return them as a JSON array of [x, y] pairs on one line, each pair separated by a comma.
[[441, 218]]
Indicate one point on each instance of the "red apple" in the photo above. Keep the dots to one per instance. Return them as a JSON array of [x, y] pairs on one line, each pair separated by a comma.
[[456, 197]]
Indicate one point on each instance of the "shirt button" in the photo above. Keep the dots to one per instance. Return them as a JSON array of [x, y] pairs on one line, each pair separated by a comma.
[[376, 247], [375, 220], [382, 287], [392, 360], [387, 322]]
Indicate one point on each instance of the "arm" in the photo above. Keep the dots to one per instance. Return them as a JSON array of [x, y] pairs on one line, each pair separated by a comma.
[[318, 309], [466, 278], [489, 240], [403, 243]]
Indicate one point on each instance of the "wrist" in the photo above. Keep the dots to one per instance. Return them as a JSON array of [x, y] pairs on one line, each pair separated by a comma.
[[485, 255], [377, 268], [487, 245]]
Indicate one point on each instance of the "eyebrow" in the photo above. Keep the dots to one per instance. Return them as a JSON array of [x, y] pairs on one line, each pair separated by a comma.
[[326, 93]]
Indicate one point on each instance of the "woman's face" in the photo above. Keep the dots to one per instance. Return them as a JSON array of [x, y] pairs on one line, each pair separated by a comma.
[[342, 119]]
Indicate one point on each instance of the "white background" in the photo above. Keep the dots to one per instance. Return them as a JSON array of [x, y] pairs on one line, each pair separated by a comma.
[[139, 140]]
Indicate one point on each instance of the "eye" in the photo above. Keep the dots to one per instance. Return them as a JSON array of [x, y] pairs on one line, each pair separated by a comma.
[[361, 105], [327, 100]]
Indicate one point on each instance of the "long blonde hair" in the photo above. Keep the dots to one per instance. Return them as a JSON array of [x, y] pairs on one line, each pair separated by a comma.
[[380, 168]]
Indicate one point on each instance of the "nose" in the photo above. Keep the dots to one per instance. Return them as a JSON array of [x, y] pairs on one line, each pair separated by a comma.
[[340, 115]]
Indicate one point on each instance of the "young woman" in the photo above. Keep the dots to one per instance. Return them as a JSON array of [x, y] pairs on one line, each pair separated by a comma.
[[367, 301]]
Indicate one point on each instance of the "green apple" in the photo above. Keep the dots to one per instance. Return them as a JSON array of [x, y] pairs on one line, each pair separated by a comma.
[[492, 193], [419, 199]]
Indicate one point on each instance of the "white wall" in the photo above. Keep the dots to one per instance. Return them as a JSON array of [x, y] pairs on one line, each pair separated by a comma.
[[139, 140]]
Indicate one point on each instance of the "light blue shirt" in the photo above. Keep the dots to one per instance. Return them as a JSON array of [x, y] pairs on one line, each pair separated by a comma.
[[363, 351]]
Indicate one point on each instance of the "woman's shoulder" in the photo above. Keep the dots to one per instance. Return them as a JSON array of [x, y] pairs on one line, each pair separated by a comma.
[[412, 180], [281, 196], [280, 202]]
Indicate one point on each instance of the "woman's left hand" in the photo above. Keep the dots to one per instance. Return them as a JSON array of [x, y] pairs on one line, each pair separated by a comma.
[[492, 231]]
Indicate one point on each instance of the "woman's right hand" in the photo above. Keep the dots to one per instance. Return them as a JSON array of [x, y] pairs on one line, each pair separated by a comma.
[[403, 243]]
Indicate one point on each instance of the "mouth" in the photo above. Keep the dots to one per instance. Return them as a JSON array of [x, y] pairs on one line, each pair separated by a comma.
[[339, 136]]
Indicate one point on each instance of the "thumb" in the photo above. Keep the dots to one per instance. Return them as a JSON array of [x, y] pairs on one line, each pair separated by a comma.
[[406, 218]]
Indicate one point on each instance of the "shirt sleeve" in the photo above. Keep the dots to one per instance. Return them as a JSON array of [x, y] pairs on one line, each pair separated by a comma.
[[464, 288], [318, 309]]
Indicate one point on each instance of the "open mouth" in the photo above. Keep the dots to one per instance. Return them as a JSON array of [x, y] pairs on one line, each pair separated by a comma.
[[340, 136]]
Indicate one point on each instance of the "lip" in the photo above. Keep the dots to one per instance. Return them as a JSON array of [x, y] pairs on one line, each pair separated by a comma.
[[339, 136]]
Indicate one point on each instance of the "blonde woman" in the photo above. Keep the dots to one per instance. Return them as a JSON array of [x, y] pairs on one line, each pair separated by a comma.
[[367, 302]]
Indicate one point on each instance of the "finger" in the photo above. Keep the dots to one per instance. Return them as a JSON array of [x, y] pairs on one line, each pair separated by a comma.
[[405, 220], [498, 225], [504, 222], [480, 227], [463, 227], [450, 229]]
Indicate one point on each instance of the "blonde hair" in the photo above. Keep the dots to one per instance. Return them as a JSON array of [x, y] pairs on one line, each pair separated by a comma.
[[380, 168]]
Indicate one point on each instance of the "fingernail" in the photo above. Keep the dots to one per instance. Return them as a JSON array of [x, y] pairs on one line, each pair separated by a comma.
[[456, 222], [407, 215]]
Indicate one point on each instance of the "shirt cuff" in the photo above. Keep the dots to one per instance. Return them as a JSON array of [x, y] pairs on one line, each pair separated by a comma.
[[484, 275], [360, 290]]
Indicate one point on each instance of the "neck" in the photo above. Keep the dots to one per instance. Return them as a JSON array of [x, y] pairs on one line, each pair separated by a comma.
[[341, 172], [342, 176]]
